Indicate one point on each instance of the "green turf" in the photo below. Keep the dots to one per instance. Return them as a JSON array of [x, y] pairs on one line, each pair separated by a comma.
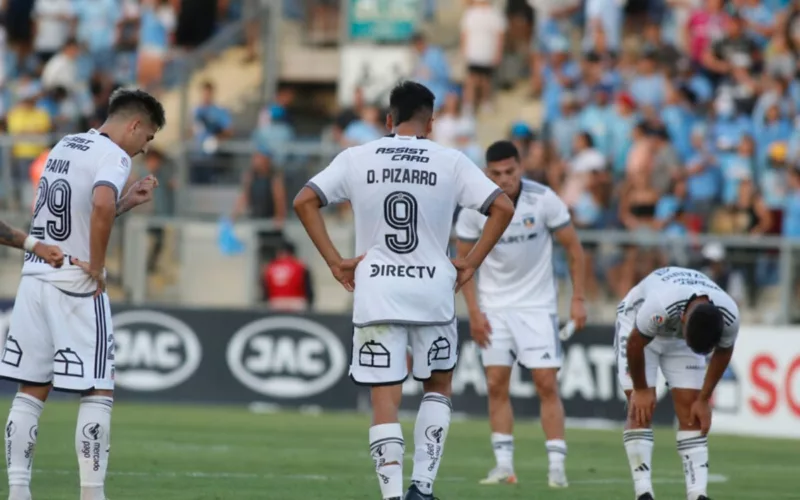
[[194, 453]]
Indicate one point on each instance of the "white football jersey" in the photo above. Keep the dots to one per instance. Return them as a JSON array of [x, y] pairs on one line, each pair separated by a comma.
[[63, 208], [658, 302], [404, 192], [518, 272]]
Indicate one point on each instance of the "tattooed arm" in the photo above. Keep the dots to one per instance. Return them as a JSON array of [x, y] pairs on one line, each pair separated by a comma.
[[11, 237]]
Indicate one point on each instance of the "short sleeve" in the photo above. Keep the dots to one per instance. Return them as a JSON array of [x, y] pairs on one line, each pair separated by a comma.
[[331, 184], [731, 330], [651, 316], [115, 168], [468, 227], [474, 190], [556, 213]]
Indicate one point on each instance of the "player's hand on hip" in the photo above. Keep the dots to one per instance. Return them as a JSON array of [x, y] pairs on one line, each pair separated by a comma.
[[99, 276], [345, 272], [643, 404], [480, 329], [50, 254], [464, 272], [701, 413], [577, 313]]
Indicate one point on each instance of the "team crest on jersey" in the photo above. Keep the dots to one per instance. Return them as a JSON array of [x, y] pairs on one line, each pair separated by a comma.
[[528, 222], [658, 319]]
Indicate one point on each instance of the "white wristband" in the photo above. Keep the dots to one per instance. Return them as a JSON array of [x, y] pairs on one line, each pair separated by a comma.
[[30, 243]]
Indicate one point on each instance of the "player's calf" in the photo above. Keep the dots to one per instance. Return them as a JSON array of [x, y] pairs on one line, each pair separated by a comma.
[[552, 417], [22, 429], [386, 444], [639, 443], [93, 441], [430, 431], [692, 445], [501, 419]]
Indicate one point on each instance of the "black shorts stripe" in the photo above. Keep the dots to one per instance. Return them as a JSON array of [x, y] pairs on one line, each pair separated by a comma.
[[101, 337]]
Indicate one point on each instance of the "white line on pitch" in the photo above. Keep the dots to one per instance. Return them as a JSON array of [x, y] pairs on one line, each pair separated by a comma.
[[712, 478]]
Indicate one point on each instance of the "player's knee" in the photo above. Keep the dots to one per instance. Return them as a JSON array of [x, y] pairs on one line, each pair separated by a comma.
[[440, 383], [497, 387], [546, 384], [40, 392], [386, 403], [98, 392]]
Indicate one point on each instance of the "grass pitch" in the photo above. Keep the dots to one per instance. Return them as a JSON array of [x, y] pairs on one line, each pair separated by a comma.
[[213, 453]]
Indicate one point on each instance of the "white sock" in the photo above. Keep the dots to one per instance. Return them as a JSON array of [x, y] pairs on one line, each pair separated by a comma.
[[430, 433], [693, 449], [503, 445], [387, 447], [92, 442], [556, 452], [21, 432], [639, 447]]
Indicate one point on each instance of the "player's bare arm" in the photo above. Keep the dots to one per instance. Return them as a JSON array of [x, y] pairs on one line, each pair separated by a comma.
[[499, 216], [567, 237], [104, 212], [307, 206], [701, 410], [478, 323], [13, 237], [139, 193], [643, 399]]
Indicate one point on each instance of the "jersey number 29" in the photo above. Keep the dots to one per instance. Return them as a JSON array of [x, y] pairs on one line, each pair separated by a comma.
[[400, 212], [57, 197]]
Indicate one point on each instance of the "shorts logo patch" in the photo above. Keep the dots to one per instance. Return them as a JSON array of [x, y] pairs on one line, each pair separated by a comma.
[[12, 354], [439, 351], [67, 363], [374, 355]]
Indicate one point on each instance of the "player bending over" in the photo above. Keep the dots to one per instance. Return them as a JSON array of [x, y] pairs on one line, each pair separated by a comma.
[[518, 312], [404, 190], [673, 319], [12, 237], [60, 333]]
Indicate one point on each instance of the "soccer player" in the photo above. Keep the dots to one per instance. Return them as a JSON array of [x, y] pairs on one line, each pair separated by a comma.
[[514, 315], [12, 237], [404, 190], [60, 333], [673, 319]]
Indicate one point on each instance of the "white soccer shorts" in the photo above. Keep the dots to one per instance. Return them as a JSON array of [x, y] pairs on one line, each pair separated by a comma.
[[380, 352], [529, 336], [60, 339], [682, 368]]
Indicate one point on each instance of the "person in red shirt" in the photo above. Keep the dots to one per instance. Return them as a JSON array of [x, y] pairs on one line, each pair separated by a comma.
[[287, 281]]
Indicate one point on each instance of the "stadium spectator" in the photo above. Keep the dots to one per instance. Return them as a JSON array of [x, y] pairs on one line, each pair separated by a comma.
[[716, 267], [263, 198], [26, 119], [791, 217], [366, 128], [450, 120], [603, 26], [163, 204], [483, 29], [431, 68], [54, 24], [157, 23], [97, 30], [212, 124], [62, 69], [286, 281], [196, 21]]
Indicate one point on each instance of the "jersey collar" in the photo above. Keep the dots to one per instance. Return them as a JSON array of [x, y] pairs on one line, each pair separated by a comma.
[[404, 136]]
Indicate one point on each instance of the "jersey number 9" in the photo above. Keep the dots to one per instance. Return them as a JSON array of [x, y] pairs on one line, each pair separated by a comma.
[[57, 197], [400, 212]]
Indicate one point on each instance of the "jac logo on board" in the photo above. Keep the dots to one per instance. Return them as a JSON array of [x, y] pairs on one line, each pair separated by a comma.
[[286, 357], [153, 351]]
